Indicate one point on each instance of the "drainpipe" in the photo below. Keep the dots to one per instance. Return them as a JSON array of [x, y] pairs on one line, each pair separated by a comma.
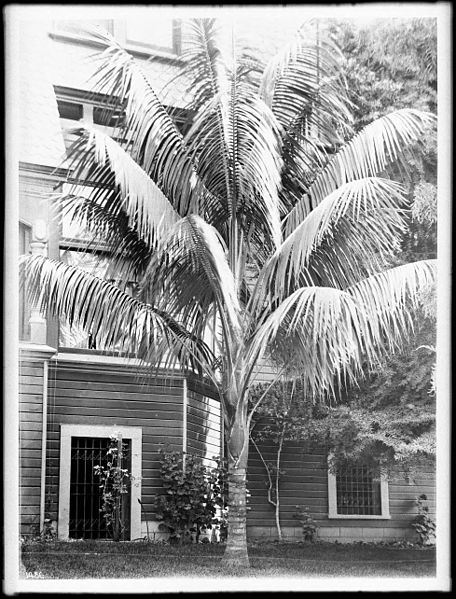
[[43, 445], [184, 423]]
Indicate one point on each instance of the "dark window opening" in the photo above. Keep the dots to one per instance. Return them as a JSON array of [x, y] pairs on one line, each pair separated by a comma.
[[107, 116], [182, 118], [69, 110]]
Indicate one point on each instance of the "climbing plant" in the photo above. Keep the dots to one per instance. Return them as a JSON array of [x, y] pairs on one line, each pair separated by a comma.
[[115, 482]]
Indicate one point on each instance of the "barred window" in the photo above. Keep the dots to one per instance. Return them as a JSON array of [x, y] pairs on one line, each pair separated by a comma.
[[357, 491]]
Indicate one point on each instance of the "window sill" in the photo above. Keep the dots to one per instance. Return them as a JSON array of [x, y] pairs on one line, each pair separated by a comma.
[[359, 517], [94, 356]]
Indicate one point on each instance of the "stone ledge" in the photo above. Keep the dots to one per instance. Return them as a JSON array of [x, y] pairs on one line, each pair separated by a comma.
[[36, 350], [335, 533]]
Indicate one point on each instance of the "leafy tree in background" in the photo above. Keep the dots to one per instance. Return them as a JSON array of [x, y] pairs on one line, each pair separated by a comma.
[[270, 228], [388, 417], [388, 65]]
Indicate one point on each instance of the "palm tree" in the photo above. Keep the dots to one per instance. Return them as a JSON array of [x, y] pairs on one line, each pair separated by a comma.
[[265, 232]]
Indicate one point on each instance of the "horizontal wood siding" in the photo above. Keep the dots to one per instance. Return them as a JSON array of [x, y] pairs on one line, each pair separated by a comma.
[[203, 426], [265, 372], [118, 396], [114, 395], [30, 436], [305, 483]]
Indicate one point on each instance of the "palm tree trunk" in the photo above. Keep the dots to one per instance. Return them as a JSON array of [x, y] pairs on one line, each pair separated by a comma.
[[236, 547]]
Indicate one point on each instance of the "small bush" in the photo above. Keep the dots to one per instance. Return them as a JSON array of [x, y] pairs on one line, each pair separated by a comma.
[[423, 523], [308, 525], [192, 496]]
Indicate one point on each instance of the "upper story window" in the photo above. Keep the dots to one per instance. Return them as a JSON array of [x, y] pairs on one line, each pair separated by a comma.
[[358, 491], [155, 31], [76, 105], [146, 32]]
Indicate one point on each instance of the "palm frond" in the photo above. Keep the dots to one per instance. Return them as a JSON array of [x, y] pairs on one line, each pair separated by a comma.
[[367, 209], [148, 131], [115, 319], [106, 231], [389, 300], [369, 152], [303, 83], [322, 328], [191, 273], [330, 332], [242, 163], [205, 67], [110, 169]]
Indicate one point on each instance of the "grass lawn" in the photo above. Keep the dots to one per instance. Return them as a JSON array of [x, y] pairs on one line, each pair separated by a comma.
[[105, 559]]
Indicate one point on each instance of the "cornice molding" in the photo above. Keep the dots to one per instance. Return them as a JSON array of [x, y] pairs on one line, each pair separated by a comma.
[[150, 54]]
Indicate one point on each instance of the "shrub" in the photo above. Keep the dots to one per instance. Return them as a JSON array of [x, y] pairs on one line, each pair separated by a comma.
[[423, 523], [308, 525], [191, 498]]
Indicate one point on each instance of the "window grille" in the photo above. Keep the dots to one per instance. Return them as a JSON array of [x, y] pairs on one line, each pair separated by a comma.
[[86, 518], [358, 491]]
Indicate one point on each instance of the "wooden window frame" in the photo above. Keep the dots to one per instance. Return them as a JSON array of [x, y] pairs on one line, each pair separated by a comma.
[[332, 501], [67, 431]]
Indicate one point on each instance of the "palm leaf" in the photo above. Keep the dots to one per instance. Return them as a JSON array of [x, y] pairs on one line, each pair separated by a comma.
[[303, 82], [322, 328], [366, 208], [106, 231], [191, 274], [243, 164], [114, 317], [389, 300], [109, 169], [369, 152], [148, 131], [205, 67]]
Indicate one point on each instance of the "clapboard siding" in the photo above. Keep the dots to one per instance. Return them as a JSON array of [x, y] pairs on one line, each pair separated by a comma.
[[305, 483], [204, 435], [31, 375], [115, 395]]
